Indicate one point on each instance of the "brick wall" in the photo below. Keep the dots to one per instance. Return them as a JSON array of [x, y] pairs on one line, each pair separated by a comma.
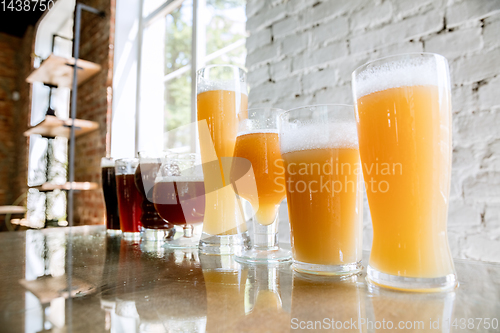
[[15, 66], [94, 103], [303, 52]]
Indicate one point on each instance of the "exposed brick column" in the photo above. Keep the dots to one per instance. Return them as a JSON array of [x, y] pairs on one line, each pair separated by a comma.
[[15, 65], [94, 103]]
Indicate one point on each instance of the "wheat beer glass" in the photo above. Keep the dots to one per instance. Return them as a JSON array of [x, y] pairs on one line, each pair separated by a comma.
[[221, 101], [129, 198], [403, 113], [319, 147], [257, 147]]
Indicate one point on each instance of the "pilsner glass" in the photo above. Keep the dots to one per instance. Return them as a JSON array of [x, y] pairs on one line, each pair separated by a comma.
[[319, 147], [129, 198], [155, 228], [110, 197], [221, 100], [257, 145], [179, 196], [403, 111]]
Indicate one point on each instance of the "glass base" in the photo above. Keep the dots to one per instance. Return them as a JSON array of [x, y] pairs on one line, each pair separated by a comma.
[[157, 235], [224, 244], [346, 269], [185, 238], [264, 256], [131, 236], [113, 232], [439, 284]]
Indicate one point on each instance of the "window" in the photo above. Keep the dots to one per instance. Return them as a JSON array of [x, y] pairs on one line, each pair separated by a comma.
[[179, 37]]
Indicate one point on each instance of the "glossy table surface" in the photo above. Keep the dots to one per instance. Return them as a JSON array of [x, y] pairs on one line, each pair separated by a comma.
[[122, 286]]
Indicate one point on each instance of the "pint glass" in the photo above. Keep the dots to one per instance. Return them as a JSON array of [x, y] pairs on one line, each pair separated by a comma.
[[403, 113], [129, 198], [110, 197], [222, 100], [319, 147]]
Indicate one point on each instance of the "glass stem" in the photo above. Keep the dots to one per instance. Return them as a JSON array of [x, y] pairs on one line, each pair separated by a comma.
[[265, 236]]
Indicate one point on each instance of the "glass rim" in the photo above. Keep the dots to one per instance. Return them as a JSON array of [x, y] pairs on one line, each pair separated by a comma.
[[199, 71], [361, 68], [127, 159], [265, 108], [315, 105]]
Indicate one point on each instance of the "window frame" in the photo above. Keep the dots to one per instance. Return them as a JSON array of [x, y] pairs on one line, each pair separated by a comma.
[[198, 52]]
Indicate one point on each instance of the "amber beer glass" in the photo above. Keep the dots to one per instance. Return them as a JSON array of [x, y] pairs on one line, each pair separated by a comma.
[[403, 113], [179, 196], [257, 147], [129, 198], [319, 147], [155, 227], [221, 101], [110, 197]]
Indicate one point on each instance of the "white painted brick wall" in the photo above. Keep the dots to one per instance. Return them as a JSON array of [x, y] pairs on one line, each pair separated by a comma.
[[303, 52]]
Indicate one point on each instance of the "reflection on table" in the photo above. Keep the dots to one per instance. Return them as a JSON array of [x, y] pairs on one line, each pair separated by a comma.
[[121, 286]]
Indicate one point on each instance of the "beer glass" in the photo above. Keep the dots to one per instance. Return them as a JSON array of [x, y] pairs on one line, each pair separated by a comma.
[[179, 196], [319, 147], [110, 197], [221, 101], [403, 113], [257, 147], [129, 198], [155, 227]]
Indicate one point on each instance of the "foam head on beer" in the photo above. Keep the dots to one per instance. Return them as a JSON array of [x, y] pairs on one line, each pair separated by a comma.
[[319, 136], [400, 73]]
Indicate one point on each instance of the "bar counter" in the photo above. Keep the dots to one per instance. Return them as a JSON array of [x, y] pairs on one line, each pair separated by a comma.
[[121, 286]]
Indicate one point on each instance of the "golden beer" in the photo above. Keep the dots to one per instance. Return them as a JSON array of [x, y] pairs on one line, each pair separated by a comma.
[[323, 179], [404, 129], [220, 109], [261, 148]]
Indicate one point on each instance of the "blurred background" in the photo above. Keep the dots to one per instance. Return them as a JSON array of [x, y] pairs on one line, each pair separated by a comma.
[[296, 53]]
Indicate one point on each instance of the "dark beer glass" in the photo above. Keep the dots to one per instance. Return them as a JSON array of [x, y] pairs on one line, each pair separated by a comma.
[[155, 227], [110, 197], [129, 198]]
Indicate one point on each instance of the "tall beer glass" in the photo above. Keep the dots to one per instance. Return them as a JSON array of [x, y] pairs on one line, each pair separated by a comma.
[[257, 146], [403, 113], [155, 228], [319, 147], [110, 197], [221, 100], [129, 198]]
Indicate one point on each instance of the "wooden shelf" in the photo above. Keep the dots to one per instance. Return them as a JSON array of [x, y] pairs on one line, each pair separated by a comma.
[[12, 210], [77, 186], [52, 126], [58, 71]]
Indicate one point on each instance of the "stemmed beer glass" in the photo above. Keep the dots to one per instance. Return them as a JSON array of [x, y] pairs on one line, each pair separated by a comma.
[[257, 149]]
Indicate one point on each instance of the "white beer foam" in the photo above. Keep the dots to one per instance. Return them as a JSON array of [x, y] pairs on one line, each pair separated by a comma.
[[319, 136], [228, 85], [407, 72], [259, 131], [107, 163]]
